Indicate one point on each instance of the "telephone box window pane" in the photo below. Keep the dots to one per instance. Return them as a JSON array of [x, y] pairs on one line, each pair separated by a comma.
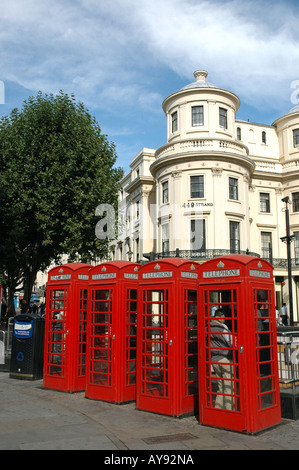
[[59, 294]]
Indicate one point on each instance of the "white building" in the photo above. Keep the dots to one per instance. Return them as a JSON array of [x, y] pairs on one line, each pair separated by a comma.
[[215, 187]]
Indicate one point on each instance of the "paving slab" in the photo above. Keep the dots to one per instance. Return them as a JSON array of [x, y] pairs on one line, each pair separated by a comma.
[[35, 418]]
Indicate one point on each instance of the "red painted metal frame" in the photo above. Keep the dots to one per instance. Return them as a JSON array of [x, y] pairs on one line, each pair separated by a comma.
[[65, 328], [167, 337], [112, 306], [243, 286]]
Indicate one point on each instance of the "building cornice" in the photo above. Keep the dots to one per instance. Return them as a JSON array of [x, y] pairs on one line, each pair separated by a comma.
[[137, 182], [207, 156]]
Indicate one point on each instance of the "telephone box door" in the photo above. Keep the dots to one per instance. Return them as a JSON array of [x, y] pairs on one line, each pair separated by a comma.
[[101, 360], [266, 379], [221, 357], [156, 347], [56, 360]]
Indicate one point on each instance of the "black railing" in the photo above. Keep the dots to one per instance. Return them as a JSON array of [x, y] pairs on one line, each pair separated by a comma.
[[214, 253], [196, 254]]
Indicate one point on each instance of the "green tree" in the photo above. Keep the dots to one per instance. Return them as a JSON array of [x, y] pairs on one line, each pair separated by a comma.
[[55, 169]]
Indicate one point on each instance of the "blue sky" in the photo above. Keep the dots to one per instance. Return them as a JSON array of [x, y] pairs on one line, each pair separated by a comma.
[[123, 57]]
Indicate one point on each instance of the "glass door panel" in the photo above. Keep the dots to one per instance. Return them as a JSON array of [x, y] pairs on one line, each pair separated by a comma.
[[82, 333], [154, 343], [264, 342], [131, 333], [100, 337], [222, 357], [190, 344], [57, 332]]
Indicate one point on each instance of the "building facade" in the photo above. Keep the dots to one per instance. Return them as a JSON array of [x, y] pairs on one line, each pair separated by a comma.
[[215, 187]]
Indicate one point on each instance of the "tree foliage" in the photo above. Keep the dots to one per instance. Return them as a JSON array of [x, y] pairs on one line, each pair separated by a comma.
[[55, 169]]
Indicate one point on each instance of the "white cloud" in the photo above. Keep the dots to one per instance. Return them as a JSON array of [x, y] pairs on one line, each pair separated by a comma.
[[252, 51], [114, 55]]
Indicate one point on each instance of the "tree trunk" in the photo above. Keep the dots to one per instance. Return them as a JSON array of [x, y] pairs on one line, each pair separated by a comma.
[[29, 281], [10, 303]]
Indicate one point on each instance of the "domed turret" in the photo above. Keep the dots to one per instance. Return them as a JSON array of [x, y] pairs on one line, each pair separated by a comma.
[[287, 128], [200, 108], [200, 76]]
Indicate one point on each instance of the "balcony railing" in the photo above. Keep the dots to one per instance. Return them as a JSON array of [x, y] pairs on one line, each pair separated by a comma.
[[203, 255], [203, 145], [196, 254]]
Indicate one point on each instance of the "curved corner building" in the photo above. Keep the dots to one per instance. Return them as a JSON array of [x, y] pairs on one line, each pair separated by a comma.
[[215, 187]]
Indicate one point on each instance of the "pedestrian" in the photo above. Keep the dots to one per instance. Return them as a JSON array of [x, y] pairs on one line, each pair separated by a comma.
[[24, 306], [3, 310], [221, 354], [35, 307], [284, 315], [277, 315]]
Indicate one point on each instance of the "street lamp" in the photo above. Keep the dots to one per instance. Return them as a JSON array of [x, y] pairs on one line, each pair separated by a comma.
[[288, 239]]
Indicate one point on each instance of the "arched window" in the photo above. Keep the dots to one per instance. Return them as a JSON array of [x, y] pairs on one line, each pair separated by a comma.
[[239, 135]]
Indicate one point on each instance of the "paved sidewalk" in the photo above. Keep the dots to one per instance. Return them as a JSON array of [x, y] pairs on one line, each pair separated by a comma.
[[33, 418]]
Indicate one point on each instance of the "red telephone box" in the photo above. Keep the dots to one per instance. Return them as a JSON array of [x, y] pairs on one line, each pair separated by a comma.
[[112, 332], [65, 327], [238, 370], [167, 370]]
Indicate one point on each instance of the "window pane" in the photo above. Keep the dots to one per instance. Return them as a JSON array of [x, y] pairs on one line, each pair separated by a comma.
[[266, 245], [264, 139], [165, 192], [234, 232], [296, 137], [165, 238], [264, 202], [197, 186], [174, 118], [233, 188], [223, 118], [296, 246], [295, 199], [198, 235], [197, 116]]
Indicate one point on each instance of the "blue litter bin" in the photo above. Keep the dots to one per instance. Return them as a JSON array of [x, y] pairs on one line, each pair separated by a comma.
[[27, 347]]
